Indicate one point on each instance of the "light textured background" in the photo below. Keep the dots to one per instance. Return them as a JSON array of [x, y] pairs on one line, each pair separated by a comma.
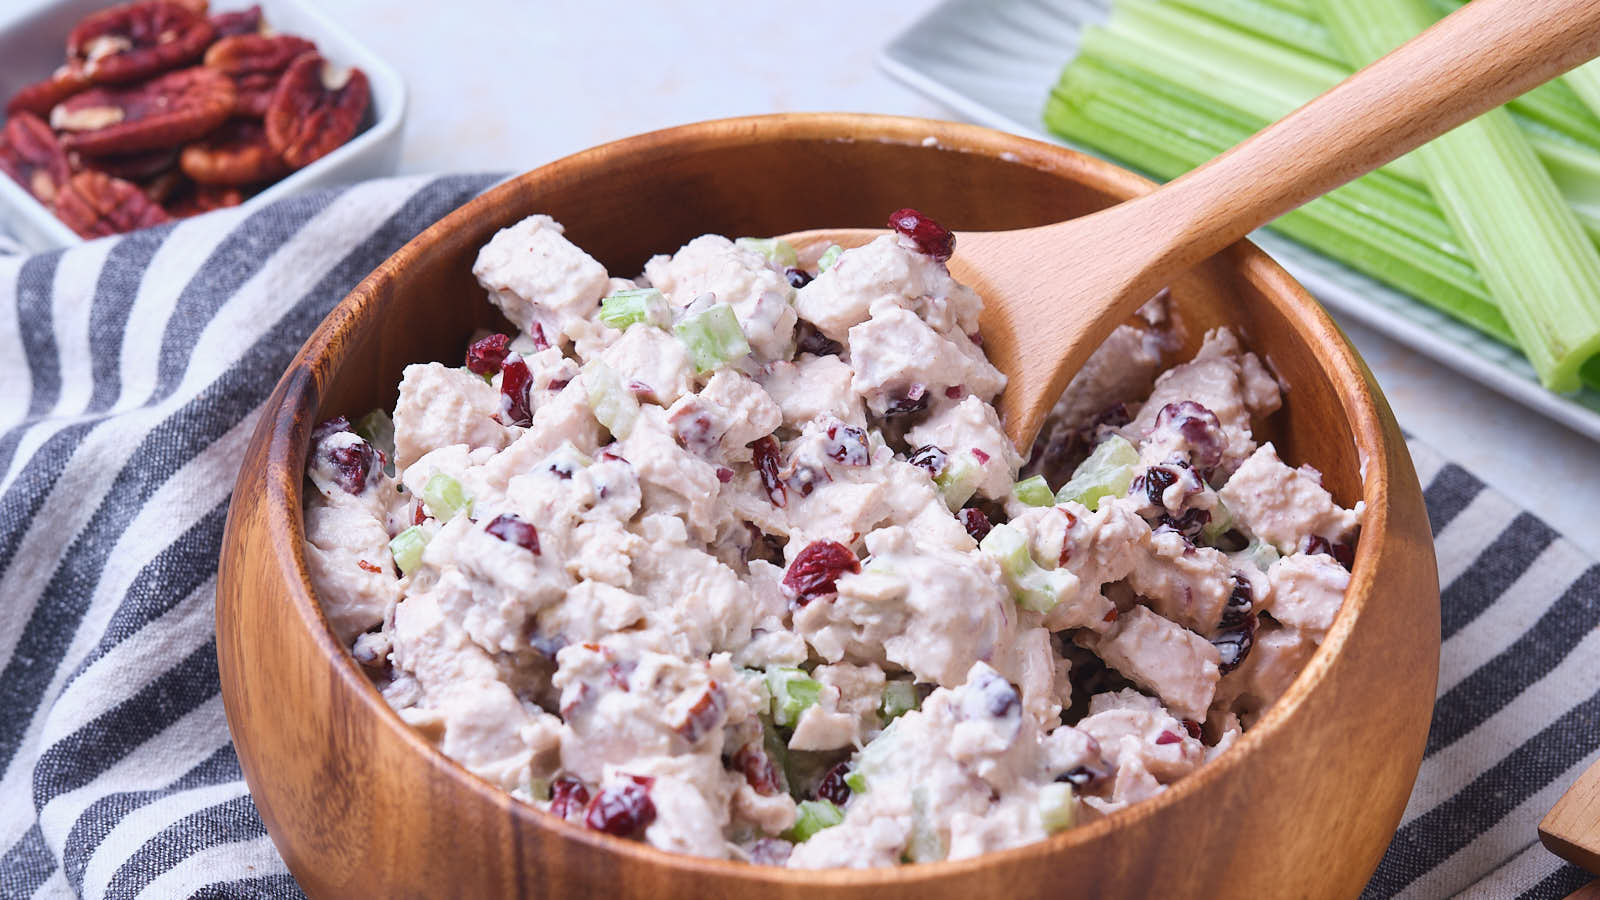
[[513, 84]]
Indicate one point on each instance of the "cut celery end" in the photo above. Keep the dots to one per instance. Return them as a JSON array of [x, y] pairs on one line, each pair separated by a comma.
[[792, 692], [712, 337], [926, 843], [445, 497], [856, 782], [1540, 266], [1009, 547], [406, 548], [1221, 521], [777, 252], [828, 258], [377, 429], [1041, 589], [1033, 491], [811, 817], [899, 698], [1057, 806], [959, 480], [614, 406], [625, 308], [1260, 554], [1106, 473]]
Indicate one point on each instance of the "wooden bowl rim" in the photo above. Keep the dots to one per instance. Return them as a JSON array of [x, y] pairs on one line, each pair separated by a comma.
[[314, 364]]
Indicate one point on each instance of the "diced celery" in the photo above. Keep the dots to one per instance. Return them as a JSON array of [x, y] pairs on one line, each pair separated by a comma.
[[1221, 521], [959, 479], [777, 252], [828, 258], [614, 405], [1041, 589], [1009, 547], [712, 337], [445, 497], [926, 844], [377, 429], [1261, 554], [1106, 473], [406, 548], [856, 782], [1056, 806], [1033, 491], [639, 305], [1541, 268], [538, 789], [899, 698], [813, 816], [792, 692]]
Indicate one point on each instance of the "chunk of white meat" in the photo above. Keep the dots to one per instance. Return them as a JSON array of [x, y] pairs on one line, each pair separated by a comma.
[[1307, 590], [1284, 506], [348, 560], [1185, 583], [898, 358], [846, 711], [973, 426], [812, 387], [1163, 656], [651, 363], [758, 293], [884, 274], [541, 281]]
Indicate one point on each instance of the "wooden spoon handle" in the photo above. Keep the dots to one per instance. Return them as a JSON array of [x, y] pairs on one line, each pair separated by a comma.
[[1474, 60]]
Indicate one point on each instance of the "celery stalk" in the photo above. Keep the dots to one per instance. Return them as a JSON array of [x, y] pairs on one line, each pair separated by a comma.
[[1539, 265]]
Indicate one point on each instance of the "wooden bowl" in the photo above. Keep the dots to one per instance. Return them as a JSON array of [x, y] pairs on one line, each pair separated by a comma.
[[360, 805]]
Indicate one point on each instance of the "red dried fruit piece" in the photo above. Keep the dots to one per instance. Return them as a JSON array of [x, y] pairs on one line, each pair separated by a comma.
[[513, 530], [185, 198], [766, 458], [136, 40], [168, 111], [128, 166], [567, 794], [30, 154], [976, 522], [94, 204], [39, 98], [752, 760], [931, 238], [235, 154], [704, 715], [516, 380], [488, 354], [622, 808], [256, 63], [237, 22], [817, 568], [316, 108], [832, 787]]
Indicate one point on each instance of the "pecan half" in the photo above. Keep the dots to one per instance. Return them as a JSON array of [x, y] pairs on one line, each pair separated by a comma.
[[137, 40], [30, 154], [164, 112], [237, 153], [94, 204], [190, 199], [127, 166], [256, 63], [242, 21], [40, 97], [316, 108]]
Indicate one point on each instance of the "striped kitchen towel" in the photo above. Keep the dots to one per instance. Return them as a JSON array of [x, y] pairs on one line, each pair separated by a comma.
[[132, 371]]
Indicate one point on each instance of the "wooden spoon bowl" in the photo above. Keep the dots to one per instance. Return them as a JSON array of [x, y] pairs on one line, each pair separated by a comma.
[[361, 805]]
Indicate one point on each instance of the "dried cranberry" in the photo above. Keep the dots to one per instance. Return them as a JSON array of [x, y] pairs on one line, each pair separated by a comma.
[[1199, 428], [980, 456], [724, 474], [567, 794], [1241, 602], [915, 400], [1155, 482], [804, 479], [536, 334], [1188, 523], [832, 788], [848, 445], [975, 522], [1167, 737], [1082, 777], [930, 459], [752, 760], [513, 530], [797, 278], [515, 382], [955, 391], [931, 238], [621, 808], [562, 469], [704, 715], [767, 462], [330, 426], [353, 465], [1235, 644], [693, 429], [1345, 554], [814, 342], [1192, 727], [816, 569], [488, 354]]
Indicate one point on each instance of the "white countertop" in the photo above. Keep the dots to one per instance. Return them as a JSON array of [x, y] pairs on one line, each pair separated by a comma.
[[547, 79]]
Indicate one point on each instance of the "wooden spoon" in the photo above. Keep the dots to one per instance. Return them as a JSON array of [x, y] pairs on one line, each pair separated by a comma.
[[1053, 293]]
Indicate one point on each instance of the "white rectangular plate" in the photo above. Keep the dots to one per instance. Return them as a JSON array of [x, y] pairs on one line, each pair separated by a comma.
[[994, 61]]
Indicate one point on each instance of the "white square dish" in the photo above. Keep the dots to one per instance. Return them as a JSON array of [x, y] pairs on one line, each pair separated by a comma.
[[33, 35]]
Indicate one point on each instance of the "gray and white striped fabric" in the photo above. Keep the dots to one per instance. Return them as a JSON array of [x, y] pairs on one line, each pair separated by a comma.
[[132, 371]]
